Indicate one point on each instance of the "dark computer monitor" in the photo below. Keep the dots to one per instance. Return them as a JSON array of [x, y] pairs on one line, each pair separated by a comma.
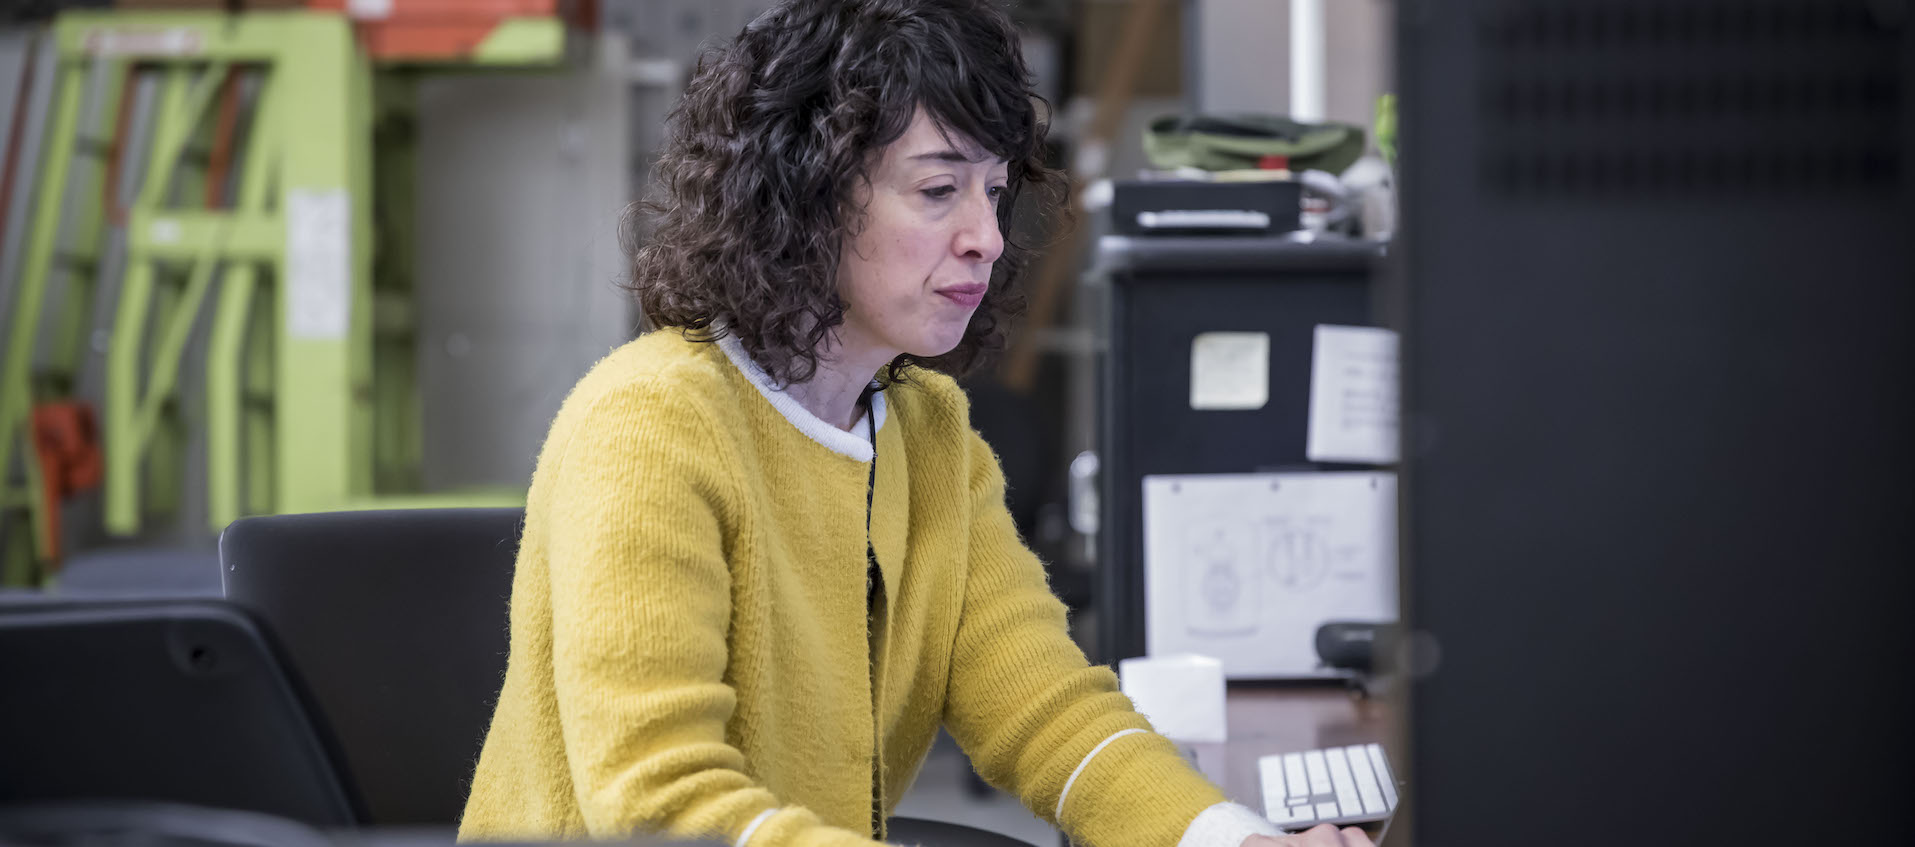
[[1658, 300]]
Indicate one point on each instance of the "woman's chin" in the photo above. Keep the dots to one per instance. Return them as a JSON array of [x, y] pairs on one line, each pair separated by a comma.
[[933, 345]]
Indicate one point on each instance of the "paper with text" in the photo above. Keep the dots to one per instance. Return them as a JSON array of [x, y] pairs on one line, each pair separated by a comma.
[[1353, 396]]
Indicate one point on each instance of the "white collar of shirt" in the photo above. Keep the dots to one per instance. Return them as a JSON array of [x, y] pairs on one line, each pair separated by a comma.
[[855, 444]]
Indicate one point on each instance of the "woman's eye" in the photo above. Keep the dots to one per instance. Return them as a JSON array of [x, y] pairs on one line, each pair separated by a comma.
[[940, 192], [997, 193]]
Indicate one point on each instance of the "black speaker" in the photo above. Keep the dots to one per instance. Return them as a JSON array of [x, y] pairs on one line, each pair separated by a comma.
[[1360, 646]]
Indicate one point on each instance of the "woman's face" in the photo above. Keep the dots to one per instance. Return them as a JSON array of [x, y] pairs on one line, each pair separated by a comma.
[[915, 272]]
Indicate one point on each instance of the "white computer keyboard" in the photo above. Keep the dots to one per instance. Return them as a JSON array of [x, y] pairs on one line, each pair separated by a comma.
[[1338, 785]]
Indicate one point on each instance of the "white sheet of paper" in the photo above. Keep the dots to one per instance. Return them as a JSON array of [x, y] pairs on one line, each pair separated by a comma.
[[1245, 567], [369, 10], [1230, 370], [1353, 396], [318, 263], [1182, 696]]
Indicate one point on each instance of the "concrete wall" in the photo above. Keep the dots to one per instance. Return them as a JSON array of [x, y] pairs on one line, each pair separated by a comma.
[[1243, 63], [522, 180]]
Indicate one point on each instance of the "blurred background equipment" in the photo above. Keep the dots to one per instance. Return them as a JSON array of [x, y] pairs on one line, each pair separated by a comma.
[[1359, 646], [1172, 300], [218, 307]]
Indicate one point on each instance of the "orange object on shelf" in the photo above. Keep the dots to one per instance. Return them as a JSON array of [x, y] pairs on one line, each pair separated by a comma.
[[422, 41], [445, 30], [66, 443]]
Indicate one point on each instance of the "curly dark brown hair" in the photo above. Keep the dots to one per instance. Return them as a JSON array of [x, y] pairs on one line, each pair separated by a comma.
[[754, 192]]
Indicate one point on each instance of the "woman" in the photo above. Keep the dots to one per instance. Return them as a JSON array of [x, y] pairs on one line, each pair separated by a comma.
[[765, 556]]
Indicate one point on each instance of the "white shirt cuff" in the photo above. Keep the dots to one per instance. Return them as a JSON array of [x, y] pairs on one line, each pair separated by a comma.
[[1226, 825]]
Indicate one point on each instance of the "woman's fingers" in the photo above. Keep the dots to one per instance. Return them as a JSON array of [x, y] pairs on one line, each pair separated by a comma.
[[1354, 837]]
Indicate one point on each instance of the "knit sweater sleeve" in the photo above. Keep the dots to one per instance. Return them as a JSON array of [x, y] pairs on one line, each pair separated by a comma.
[[643, 512], [1036, 718]]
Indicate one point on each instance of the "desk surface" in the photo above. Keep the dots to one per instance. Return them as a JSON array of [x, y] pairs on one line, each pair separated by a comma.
[[1284, 718]]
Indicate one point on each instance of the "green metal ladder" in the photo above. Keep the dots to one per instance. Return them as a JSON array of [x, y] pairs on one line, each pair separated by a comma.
[[290, 383], [65, 243]]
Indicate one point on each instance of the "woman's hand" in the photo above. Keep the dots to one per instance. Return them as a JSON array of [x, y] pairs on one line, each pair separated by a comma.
[[1321, 835]]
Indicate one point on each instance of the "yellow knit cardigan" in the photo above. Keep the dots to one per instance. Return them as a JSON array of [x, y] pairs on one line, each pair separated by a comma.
[[690, 649]]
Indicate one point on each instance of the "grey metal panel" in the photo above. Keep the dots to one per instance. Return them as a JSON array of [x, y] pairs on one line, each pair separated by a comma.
[[1239, 59], [522, 181]]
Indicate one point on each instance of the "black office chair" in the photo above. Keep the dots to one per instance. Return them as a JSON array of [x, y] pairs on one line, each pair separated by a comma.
[[139, 571], [397, 622], [149, 824], [175, 700]]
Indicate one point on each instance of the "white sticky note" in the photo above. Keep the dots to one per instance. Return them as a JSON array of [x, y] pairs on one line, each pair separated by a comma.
[[1230, 370], [1182, 695], [123, 41], [1353, 396]]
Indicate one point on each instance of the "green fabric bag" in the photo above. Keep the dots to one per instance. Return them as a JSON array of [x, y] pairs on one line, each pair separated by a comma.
[[1239, 142]]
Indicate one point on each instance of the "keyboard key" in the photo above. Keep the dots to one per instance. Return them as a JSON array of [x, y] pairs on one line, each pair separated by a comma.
[[1288, 816], [1365, 780], [1293, 778], [1270, 768], [1383, 775], [1319, 772], [1326, 811], [1347, 796]]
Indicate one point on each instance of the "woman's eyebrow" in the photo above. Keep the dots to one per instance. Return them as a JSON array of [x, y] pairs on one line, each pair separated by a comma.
[[950, 155]]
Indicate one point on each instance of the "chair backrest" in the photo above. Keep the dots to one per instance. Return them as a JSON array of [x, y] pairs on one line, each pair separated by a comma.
[[174, 700], [396, 622]]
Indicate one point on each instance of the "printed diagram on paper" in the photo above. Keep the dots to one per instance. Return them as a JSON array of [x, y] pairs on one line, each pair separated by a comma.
[[1244, 567]]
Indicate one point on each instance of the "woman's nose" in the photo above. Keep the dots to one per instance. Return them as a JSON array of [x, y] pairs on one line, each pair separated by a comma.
[[979, 239]]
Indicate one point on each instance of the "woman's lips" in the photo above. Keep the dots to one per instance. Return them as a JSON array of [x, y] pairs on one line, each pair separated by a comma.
[[967, 295]]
